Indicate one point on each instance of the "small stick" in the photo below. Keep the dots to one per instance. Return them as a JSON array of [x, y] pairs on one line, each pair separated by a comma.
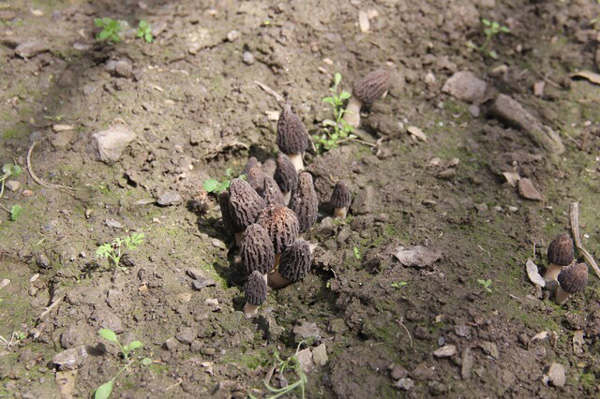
[[51, 307], [270, 91], [401, 324], [34, 176], [574, 218]]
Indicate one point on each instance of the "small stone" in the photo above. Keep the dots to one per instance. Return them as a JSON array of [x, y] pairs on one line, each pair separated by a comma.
[[462, 331], [319, 355], [196, 346], [70, 359], [111, 142], [528, 191], [556, 375], [490, 348], [169, 197], [12, 185], [4, 283], [474, 111], [365, 201], [417, 256], [120, 68], [445, 351], [466, 86], [186, 335], [422, 373], [233, 35], [62, 139], [171, 344], [70, 338], [27, 193], [200, 284], [305, 359], [218, 243], [405, 384], [398, 372], [248, 58], [467, 364], [42, 261], [113, 224], [32, 47], [158, 27], [307, 331]]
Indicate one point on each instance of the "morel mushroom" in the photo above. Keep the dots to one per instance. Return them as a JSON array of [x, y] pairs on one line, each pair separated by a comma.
[[257, 251], [340, 199], [366, 91], [244, 206], [571, 280], [286, 176], [282, 225], [305, 202], [225, 215], [292, 138], [256, 293], [271, 192], [294, 265], [254, 174], [560, 255]]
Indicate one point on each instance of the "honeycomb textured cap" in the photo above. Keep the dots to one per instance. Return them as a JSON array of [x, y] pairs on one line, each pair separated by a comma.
[[255, 176], [285, 175], [560, 251], [256, 289], [226, 216], [341, 197], [291, 132], [295, 261], [271, 192], [573, 278], [244, 204], [305, 202], [282, 225], [372, 86], [257, 251]]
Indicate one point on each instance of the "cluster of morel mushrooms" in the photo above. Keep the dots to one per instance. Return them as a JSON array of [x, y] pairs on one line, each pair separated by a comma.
[[562, 267], [268, 214]]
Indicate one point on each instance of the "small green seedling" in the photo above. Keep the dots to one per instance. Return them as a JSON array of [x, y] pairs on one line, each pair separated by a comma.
[[111, 28], [216, 186], [114, 251], [491, 29], [486, 284], [356, 252], [399, 284], [125, 349], [145, 31], [8, 170], [15, 212], [336, 131]]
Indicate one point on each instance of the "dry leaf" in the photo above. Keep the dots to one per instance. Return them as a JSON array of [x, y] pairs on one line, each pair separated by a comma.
[[533, 274], [538, 336], [418, 133], [512, 178], [591, 76]]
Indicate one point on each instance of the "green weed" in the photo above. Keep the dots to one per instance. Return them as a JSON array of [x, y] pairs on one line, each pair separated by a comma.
[[217, 186], [356, 252], [8, 170], [111, 28], [15, 212], [491, 29], [145, 31], [399, 284], [114, 251], [486, 284]]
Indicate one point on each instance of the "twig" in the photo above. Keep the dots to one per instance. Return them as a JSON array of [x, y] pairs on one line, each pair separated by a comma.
[[270, 91], [34, 176], [51, 307], [574, 218], [4, 208], [401, 324]]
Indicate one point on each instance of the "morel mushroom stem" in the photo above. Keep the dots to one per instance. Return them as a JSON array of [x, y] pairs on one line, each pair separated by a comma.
[[276, 281], [552, 272], [352, 113], [297, 161], [250, 310], [276, 263], [287, 197], [340, 213], [561, 296]]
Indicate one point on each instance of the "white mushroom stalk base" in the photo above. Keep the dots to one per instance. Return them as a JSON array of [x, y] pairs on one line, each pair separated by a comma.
[[276, 281], [352, 114], [340, 213], [297, 161], [250, 310], [552, 272], [287, 197], [561, 296]]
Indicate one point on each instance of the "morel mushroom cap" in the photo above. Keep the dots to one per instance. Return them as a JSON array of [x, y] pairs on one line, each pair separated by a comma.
[[225, 215], [294, 265], [560, 254], [341, 199], [271, 192], [256, 293], [305, 202], [366, 91], [257, 251], [572, 279], [244, 206], [285, 175], [282, 225], [254, 174], [292, 138]]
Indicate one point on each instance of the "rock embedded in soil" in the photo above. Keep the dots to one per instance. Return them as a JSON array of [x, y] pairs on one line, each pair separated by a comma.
[[398, 372], [405, 384], [32, 47], [422, 373], [248, 58], [528, 191], [12, 185], [365, 201], [466, 86], [556, 375], [70, 359], [445, 351], [168, 198], [111, 142], [320, 355], [490, 348], [466, 364], [417, 256], [186, 335], [120, 68], [307, 331]]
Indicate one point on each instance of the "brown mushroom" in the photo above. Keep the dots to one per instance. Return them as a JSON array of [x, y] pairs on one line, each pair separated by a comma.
[[366, 91], [292, 138], [282, 225], [571, 280], [254, 174], [294, 265], [225, 215], [271, 192], [256, 293], [244, 206], [257, 251], [560, 254], [305, 202], [340, 199], [286, 176]]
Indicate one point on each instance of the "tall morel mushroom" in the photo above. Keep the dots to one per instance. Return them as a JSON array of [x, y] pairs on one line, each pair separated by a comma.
[[225, 212], [340, 199], [294, 265], [286, 176], [244, 206], [305, 202], [282, 225], [560, 255], [272, 193], [571, 280], [256, 293], [254, 174], [292, 138], [366, 91], [257, 251]]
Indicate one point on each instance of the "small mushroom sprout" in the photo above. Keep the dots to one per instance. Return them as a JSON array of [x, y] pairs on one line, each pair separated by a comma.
[[365, 92], [571, 280], [292, 138], [560, 255], [294, 265], [340, 200], [256, 293]]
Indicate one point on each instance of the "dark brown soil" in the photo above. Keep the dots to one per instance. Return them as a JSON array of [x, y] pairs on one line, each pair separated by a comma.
[[193, 98]]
